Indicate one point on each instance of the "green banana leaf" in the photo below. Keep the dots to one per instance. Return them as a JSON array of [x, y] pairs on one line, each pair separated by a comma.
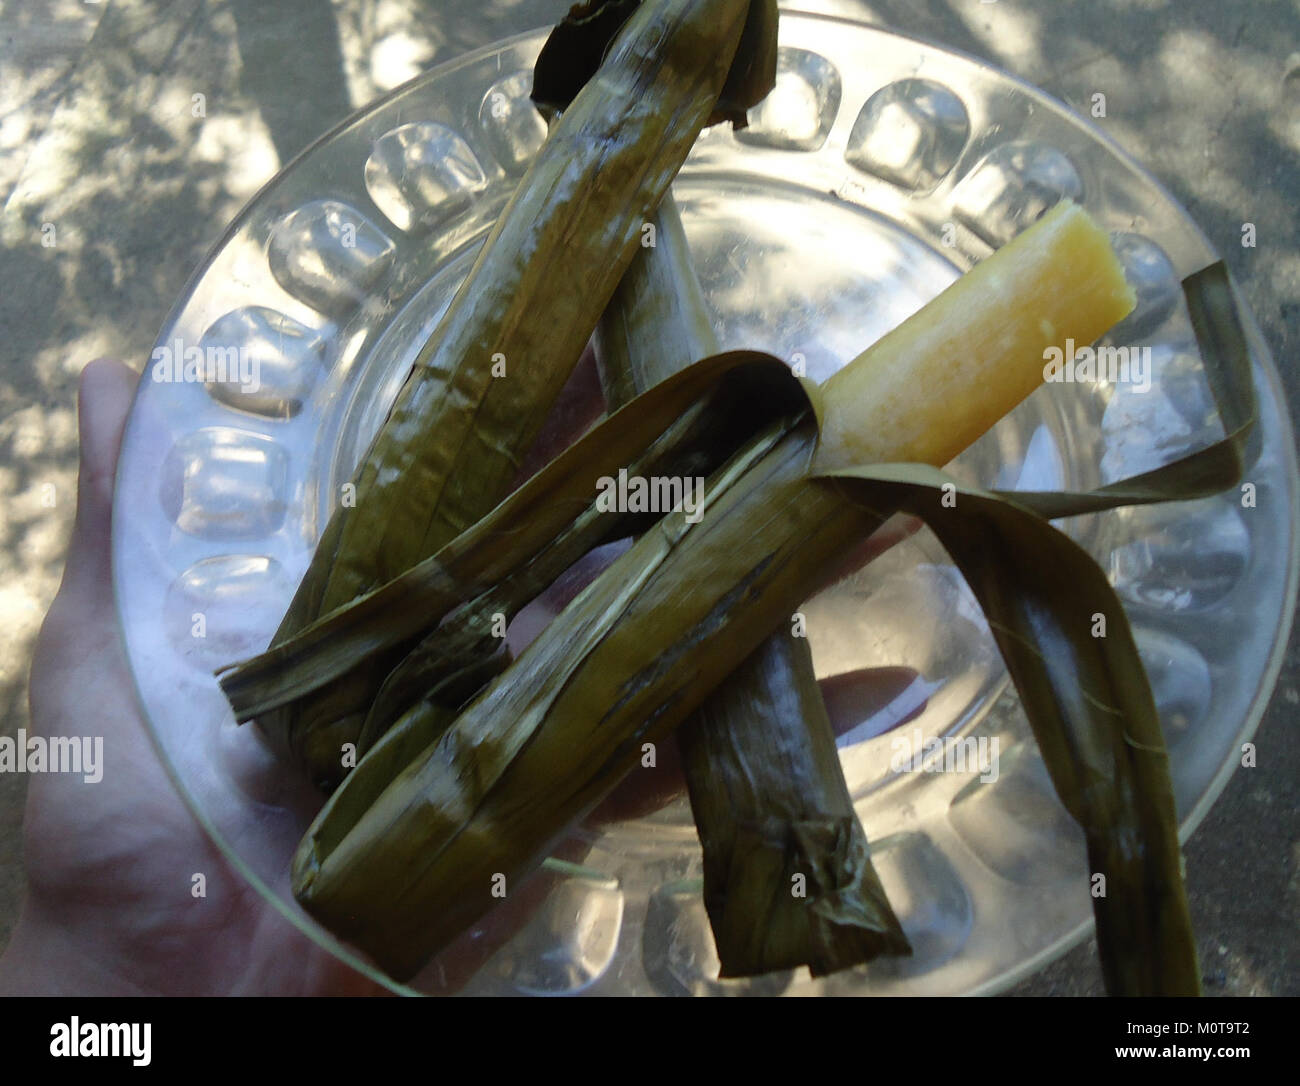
[[551, 736], [1087, 698], [762, 770], [697, 419], [481, 387], [760, 761]]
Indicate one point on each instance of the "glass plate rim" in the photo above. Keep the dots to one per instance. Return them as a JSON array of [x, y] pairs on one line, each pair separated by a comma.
[[1265, 365]]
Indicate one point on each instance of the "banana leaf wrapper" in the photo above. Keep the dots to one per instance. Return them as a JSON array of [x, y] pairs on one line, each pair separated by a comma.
[[438, 666], [762, 770], [400, 872], [557, 730], [454, 439], [447, 604], [1087, 698], [580, 42]]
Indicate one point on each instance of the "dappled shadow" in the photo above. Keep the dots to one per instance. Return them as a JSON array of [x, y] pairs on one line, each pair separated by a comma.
[[290, 65], [39, 47]]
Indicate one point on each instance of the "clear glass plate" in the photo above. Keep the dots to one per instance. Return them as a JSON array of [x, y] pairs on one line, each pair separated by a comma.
[[879, 169]]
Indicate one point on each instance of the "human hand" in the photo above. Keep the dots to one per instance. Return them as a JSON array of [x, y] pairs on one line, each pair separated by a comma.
[[108, 907]]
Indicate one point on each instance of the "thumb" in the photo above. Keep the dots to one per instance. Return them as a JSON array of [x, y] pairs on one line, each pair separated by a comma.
[[104, 400]]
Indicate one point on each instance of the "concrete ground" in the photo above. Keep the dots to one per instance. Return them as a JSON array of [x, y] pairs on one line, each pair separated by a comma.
[[96, 136]]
